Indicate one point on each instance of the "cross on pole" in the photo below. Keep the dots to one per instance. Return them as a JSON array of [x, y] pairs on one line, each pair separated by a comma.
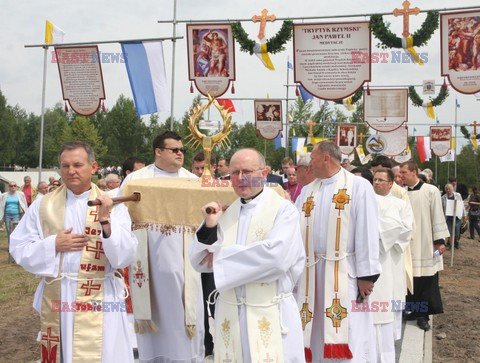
[[263, 22], [98, 249], [89, 286], [406, 12], [310, 124], [474, 124], [360, 136]]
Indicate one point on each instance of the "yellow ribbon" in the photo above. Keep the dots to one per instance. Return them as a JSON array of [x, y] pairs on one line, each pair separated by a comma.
[[262, 53], [429, 110], [348, 104], [410, 49], [474, 142]]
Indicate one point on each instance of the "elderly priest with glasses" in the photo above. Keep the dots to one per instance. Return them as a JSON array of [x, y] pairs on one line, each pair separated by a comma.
[[255, 251]]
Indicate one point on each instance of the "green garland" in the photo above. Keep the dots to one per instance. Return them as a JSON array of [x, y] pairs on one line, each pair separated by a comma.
[[418, 102], [390, 40], [356, 96], [274, 44]]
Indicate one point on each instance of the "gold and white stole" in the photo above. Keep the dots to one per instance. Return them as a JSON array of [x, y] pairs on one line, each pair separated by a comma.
[[306, 284], [336, 269], [261, 299], [88, 325], [139, 276]]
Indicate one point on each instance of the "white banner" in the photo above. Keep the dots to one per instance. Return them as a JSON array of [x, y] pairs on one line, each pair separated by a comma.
[[460, 50], [397, 141], [385, 110], [440, 139], [332, 60]]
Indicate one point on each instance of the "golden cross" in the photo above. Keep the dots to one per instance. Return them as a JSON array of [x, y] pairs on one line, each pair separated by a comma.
[[263, 22], [310, 124], [475, 124], [308, 206], [405, 13]]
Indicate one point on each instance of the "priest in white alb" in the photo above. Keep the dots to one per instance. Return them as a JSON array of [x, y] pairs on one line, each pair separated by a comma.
[[174, 332], [428, 245], [77, 250], [339, 225], [395, 224], [255, 251]]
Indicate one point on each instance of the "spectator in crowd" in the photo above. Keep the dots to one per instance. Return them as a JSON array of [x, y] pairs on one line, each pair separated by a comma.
[[459, 187], [132, 164], [272, 178], [347, 165], [56, 184], [474, 211], [13, 205], [112, 181], [450, 194], [223, 168], [286, 163], [291, 186], [102, 184], [29, 190], [304, 170], [398, 176], [199, 162], [42, 189]]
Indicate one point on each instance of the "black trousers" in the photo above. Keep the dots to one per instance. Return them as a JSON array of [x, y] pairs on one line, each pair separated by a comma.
[[208, 285], [426, 298]]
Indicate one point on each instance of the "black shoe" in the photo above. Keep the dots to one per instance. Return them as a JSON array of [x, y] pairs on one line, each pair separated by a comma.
[[423, 323], [457, 245]]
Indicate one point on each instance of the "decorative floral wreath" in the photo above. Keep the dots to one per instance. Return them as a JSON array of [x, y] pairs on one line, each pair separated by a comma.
[[389, 40], [356, 96], [418, 102], [274, 45]]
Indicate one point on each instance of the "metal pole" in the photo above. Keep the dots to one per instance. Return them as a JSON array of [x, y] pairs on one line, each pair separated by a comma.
[[454, 224], [42, 118], [310, 17], [172, 96], [286, 113], [436, 173], [99, 42], [455, 161]]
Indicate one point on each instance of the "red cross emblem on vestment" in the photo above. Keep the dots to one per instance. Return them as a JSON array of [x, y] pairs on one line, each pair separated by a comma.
[[49, 353], [89, 286], [98, 249]]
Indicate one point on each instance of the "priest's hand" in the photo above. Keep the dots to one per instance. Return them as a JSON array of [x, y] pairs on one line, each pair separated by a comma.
[[365, 287], [68, 242], [440, 248], [105, 208], [211, 219], [208, 258]]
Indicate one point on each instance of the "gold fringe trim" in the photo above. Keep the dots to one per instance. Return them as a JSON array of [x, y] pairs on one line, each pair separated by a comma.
[[191, 331], [145, 326], [166, 229]]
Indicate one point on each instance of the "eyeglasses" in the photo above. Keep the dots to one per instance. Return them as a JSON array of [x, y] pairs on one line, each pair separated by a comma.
[[174, 150], [12, 186], [380, 181], [237, 173]]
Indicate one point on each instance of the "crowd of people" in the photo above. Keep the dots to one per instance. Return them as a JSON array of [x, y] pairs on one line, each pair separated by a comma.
[[323, 269]]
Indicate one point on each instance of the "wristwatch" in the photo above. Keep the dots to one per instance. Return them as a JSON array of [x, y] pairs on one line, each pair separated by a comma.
[[105, 222]]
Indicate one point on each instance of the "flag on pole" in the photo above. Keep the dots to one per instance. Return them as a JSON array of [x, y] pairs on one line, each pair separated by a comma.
[[146, 72], [474, 142], [421, 149], [227, 104], [53, 34], [305, 95], [289, 64], [457, 103]]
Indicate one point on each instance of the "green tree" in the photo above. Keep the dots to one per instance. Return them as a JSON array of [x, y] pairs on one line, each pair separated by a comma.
[[83, 129], [7, 134]]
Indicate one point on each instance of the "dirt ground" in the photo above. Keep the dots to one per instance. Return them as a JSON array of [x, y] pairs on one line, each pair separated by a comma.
[[460, 323], [460, 286]]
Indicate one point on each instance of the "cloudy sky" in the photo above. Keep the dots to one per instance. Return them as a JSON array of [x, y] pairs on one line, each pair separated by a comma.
[[23, 22]]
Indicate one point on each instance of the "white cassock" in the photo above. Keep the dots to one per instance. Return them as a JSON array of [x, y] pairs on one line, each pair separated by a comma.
[[171, 343], [395, 229], [362, 245], [36, 254], [280, 257]]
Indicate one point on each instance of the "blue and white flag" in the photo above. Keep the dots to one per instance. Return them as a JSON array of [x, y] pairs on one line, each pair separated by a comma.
[[289, 65], [146, 72], [457, 103], [305, 95]]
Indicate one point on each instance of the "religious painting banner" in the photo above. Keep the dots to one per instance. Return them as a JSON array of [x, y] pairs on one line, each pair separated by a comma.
[[81, 78], [268, 118], [347, 138], [385, 110], [440, 139], [211, 57], [331, 60], [404, 156], [460, 50], [396, 141]]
